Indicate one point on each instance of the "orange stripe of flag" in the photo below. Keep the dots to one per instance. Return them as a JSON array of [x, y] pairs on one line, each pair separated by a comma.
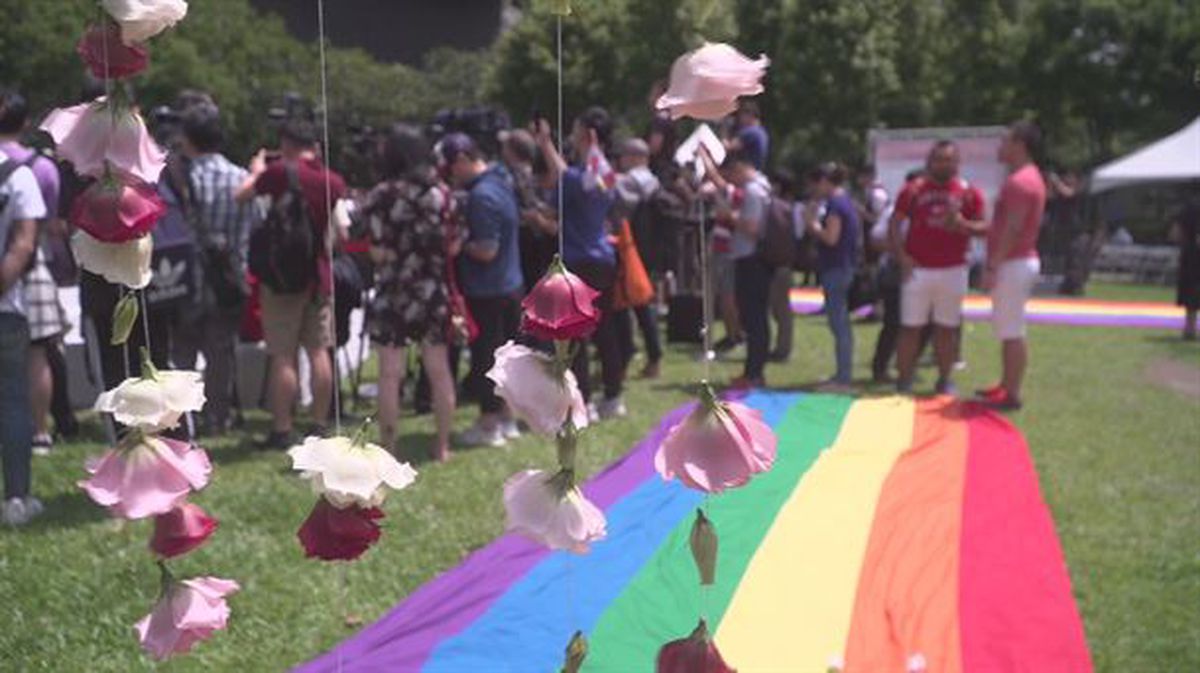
[[907, 600]]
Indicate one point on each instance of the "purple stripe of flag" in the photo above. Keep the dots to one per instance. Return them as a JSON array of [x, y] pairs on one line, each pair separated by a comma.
[[403, 639]]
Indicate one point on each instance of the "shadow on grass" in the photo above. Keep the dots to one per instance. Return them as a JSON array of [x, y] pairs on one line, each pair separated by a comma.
[[68, 510], [1174, 344]]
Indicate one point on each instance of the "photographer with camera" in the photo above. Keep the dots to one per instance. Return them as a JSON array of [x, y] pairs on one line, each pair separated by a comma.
[[220, 226], [289, 253]]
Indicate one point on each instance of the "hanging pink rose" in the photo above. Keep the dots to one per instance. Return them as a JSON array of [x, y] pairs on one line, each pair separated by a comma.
[[333, 534], [526, 380], [561, 307], [706, 83], [695, 654], [107, 56], [116, 209], [94, 134], [146, 476], [550, 510], [187, 613], [181, 530], [720, 445]]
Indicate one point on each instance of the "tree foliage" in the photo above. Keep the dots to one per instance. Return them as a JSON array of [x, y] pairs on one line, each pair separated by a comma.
[[1101, 75], [244, 58]]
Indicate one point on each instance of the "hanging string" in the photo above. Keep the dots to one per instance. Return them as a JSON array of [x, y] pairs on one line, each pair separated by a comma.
[[145, 318], [336, 400], [706, 296], [330, 237], [559, 127]]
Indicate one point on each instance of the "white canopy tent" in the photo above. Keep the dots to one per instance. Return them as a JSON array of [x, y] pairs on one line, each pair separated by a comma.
[[1175, 158]]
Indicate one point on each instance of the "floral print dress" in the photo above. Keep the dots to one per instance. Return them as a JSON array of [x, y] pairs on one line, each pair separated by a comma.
[[408, 243]]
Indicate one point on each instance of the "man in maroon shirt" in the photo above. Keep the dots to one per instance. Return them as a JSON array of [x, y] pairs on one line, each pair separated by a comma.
[[943, 212], [305, 319]]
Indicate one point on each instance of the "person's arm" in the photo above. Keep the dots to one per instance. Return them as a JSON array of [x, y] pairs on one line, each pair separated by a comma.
[[483, 223], [249, 187], [21, 245], [545, 142], [1175, 233], [827, 232], [896, 238], [711, 172], [750, 216], [970, 226]]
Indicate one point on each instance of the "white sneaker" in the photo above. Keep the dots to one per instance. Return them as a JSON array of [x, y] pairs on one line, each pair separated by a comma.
[[510, 430], [33, 506], [42, 445], [593, 415], [18, 512], [614, 408], [476, 435], [960, 365]]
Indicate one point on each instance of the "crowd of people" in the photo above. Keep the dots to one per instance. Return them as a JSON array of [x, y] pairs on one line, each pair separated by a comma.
[[441, 251]]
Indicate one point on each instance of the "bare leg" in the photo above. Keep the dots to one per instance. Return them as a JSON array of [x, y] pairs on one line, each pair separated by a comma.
[[945, 351], [441, 383], [907, 348], [729, 315], [392, 363], [322, 384], [41, 389], [284, 386], [1016, 358]]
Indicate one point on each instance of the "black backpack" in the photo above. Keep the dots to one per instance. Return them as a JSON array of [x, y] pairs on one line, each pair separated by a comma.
[[283, 249], [7, 169], [777, 245]]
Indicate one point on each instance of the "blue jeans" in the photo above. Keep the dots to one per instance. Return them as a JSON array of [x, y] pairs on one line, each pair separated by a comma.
[[16, 423], [835, 282]]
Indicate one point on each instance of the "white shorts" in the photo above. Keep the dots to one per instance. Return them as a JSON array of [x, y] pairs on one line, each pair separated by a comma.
[[1011, 290], [936, 293]]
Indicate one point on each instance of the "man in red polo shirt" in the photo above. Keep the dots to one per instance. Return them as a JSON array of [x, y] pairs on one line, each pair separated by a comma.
[[1013, 265], [943, 211]]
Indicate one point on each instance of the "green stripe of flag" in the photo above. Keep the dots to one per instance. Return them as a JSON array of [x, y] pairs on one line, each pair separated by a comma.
[[663, 600]]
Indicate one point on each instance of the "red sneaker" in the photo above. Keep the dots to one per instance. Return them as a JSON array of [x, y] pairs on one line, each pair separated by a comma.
[[992, 390], [1001, 400], [743, 383]]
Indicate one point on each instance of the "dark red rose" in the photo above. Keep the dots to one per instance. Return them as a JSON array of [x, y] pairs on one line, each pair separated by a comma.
[[561, 307], [107, 56], [695, 654], [181, 530], [333, 534], [117, 209]]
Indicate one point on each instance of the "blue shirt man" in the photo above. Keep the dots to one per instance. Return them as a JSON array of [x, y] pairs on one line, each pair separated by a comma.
[[751, 137], [585, 215], [493, 218]]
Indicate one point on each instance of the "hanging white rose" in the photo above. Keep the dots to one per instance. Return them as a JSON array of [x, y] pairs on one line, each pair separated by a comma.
[[551, 511], [156, 401], [350, 471], [141, 20], [527, 381], [126, 263]]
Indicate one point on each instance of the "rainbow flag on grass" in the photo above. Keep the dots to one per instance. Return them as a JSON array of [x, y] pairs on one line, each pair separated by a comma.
[[888, 528], [1044, 310]]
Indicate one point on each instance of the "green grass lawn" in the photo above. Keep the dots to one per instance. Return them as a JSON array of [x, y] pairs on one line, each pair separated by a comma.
[[1119, 460]]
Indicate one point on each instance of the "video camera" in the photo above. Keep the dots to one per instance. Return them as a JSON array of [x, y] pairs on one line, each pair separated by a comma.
[[483, 124], [166, 121]]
